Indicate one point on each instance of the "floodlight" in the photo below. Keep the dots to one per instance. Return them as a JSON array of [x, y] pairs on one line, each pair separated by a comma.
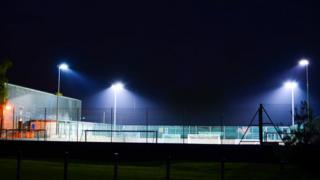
[[63, 66], [117, 86], [303, 62], [290, 84]]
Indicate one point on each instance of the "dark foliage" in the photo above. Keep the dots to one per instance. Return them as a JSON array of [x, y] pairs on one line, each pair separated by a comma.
[[306, 131]]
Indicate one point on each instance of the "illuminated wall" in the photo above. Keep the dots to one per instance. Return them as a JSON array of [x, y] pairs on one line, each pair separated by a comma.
[[29, 104]]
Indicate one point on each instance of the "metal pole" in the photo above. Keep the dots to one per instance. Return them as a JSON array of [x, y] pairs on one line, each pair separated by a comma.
[[65, 169], [183, 126], [222, 169], [183, 134], [292, 105], [221, 129], [261, 124], [85, 135], [14, 123], [111, 126], [13, 120], [308, 95], [115, 110], [115, 169], [18, 165], [57, 110], [1, 118], [45, 123], [78, 118], [104, 117], [282, 169], [168, 168], [147, 124]]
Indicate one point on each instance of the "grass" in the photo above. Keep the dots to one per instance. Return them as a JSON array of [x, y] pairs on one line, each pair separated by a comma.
[[51, 170]]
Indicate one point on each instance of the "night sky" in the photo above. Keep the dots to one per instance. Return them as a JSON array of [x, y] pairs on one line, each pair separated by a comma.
[[180, 53]]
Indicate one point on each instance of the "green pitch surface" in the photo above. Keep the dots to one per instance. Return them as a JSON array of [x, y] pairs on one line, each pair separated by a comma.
[[53, 170]]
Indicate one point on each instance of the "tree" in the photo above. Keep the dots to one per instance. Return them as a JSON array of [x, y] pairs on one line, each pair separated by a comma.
[[4, 66], [307, 130]]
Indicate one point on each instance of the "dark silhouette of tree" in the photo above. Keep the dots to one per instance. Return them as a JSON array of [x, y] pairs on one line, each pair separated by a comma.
[[4, 66], [306, 131]]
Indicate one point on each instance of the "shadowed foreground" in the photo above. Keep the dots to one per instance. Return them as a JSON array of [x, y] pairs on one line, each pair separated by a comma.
[[53, 170], [95, 161]]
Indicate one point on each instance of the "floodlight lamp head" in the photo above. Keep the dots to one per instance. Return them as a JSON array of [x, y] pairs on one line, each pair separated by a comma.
[[63, 66], [117, 86], [303, 62], [290, 84]]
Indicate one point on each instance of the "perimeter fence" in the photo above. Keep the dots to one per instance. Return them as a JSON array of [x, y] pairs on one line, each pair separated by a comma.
[[145, 125]]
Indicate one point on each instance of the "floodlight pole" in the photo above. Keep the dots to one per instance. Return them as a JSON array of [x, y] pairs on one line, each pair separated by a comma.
[[115, 109], [58, 94], [116, 87], [292, 105], [308, 95], [305, 63], [260, 111]]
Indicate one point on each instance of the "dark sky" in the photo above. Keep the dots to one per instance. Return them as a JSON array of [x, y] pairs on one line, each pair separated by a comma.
[[178, 52]]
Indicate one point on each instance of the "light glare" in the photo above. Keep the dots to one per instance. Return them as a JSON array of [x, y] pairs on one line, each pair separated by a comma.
[[8, 107], [63, 66], [303, 62], [117, 86], [290, 84]]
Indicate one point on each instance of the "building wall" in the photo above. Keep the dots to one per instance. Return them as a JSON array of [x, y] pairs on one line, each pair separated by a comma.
[[29, 104]]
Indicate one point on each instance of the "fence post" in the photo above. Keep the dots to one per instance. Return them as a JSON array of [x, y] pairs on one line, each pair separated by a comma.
[[168, 168], [115, 169], [78, 118], [222, 169], [183, 125], [222, 130], [147, 124], [65, 169], [281, 176], [18, 175], [111, 124], [38, 135], [85, 135], [1, 123], [45, 124], [13, 120], [183, 136]]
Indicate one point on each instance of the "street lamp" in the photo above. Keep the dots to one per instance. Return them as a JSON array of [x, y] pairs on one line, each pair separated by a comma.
[[291, 85], [116, 87], [63, 67], [305, 63]]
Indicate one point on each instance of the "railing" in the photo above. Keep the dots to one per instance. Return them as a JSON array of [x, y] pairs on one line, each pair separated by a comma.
[[99, 132], [23, 134], [112, 136]]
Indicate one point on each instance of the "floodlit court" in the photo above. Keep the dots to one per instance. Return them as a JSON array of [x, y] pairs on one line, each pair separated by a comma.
[[32, 115], [98, 132]]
